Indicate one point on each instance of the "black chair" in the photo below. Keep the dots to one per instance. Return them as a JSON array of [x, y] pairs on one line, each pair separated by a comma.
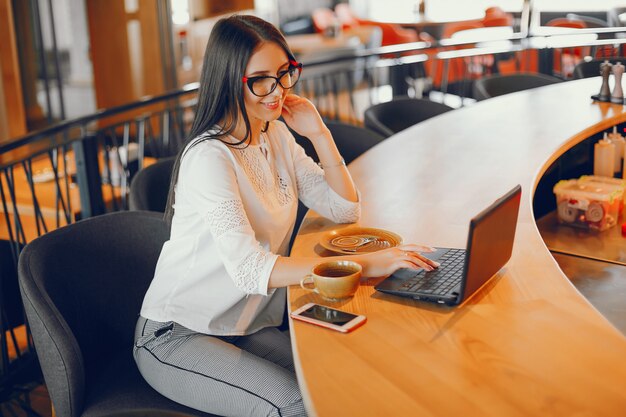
[[150, 186], [82, 287], [400, 113], [498, 85], [587, 69], [351, 140]]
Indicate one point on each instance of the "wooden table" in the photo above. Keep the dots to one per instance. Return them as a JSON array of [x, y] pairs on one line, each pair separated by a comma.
[[529, 344], [316, 42]]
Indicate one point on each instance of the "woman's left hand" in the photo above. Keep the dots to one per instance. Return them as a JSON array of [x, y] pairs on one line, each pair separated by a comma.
[[302, 116]]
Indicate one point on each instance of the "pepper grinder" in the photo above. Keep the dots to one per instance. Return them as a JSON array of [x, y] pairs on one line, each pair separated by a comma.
[[605, 91], [618, 94]]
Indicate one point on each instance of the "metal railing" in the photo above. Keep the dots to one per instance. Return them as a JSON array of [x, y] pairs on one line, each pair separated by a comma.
[[82, 167]]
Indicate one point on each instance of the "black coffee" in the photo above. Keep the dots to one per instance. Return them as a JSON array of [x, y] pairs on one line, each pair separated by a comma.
[[335, 271]]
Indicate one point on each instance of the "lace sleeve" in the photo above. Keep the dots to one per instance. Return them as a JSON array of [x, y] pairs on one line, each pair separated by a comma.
[[248, 264], [218, 202], [316, 194]]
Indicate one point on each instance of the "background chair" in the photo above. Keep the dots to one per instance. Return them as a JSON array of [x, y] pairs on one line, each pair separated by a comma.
[[150, 186], [590, 21], [82, 288], [591, 68], [351, 140], [497, 85], [396, 115], [565, 59]]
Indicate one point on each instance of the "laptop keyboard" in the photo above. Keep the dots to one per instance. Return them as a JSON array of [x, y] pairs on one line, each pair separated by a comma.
[[442, 279]]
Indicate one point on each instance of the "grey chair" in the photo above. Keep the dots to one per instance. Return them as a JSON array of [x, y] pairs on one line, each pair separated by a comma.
[[150, 186], [400, 113], [82, 287], [587, 69], [498, 85]]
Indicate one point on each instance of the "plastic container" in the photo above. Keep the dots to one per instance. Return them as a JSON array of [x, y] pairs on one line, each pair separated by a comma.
[[618, 184], [588, 204]]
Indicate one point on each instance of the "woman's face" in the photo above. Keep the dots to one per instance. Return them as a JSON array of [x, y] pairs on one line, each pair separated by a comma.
[[268, 59]]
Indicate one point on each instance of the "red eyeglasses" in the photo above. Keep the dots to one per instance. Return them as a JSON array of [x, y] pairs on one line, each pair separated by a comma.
[[265, 84]]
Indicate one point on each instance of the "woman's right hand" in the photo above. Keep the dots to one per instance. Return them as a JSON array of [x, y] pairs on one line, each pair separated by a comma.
[[385, 262]]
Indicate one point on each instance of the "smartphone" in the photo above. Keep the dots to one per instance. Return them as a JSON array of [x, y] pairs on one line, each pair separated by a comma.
[[328, 317]]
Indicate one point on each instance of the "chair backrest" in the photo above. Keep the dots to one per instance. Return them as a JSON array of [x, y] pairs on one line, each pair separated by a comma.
[[392, 34], [400, 113], [492, 21], [452, 27], [587, 69], [564, 22], [351, 140], [590, 21], [82, 286], [495, 16], [497, 85], [150, 186]]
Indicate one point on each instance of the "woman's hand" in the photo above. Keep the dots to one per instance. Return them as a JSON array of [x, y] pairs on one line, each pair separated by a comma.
[[385, 262], [302, 116]]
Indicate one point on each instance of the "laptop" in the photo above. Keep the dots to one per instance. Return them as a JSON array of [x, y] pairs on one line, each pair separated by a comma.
[[463, 271]]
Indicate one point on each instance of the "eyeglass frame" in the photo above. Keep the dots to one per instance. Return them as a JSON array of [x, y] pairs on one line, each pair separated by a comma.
[[251, 80]]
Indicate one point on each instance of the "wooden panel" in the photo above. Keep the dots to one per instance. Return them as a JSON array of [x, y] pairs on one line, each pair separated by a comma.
[[110, 53], [126, 55], [152, 71], [528, 344], [207, 8], [13, 103]]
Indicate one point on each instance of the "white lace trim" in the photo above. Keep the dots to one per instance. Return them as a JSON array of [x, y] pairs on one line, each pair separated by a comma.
[[249, 271], [268, 183], [344, 212], [226, 216], [309, 180]]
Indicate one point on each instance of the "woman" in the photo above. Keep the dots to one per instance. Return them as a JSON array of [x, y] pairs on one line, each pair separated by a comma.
[[207, 336]]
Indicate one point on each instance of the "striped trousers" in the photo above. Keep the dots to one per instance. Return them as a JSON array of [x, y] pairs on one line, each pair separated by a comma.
[[229, 376]]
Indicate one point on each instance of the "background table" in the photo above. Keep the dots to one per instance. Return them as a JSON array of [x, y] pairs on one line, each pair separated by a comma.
[[528, 344]]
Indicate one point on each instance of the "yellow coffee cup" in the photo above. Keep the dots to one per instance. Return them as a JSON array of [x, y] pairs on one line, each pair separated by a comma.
[[333, 280]]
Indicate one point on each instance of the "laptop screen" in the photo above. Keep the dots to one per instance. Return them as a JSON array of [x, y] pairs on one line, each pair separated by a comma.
[[490, 240]]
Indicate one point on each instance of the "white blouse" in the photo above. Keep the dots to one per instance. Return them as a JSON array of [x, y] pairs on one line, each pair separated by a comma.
[[234, 214]]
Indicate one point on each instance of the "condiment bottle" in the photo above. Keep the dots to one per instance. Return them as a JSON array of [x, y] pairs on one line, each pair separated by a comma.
[[620, 144], [604, 157]]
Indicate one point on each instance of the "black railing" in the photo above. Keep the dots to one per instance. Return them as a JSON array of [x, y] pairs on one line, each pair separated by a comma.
[[83, 167]]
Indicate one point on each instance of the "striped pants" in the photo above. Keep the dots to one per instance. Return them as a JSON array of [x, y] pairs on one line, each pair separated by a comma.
[[230, 376]]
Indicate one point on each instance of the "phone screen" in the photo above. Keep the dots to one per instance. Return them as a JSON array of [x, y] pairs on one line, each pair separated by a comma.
[[328, 315]]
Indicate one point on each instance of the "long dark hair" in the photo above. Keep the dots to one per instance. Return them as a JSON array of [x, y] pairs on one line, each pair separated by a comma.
[[220, 96]]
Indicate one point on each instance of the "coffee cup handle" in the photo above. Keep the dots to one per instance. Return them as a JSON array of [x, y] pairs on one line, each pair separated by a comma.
[[303, 281]]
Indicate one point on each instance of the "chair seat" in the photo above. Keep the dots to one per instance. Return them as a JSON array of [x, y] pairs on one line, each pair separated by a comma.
[[130, 394]]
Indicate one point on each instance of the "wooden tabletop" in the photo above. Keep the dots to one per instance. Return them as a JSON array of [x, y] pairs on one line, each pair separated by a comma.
[[316, 42], [529, 344]]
